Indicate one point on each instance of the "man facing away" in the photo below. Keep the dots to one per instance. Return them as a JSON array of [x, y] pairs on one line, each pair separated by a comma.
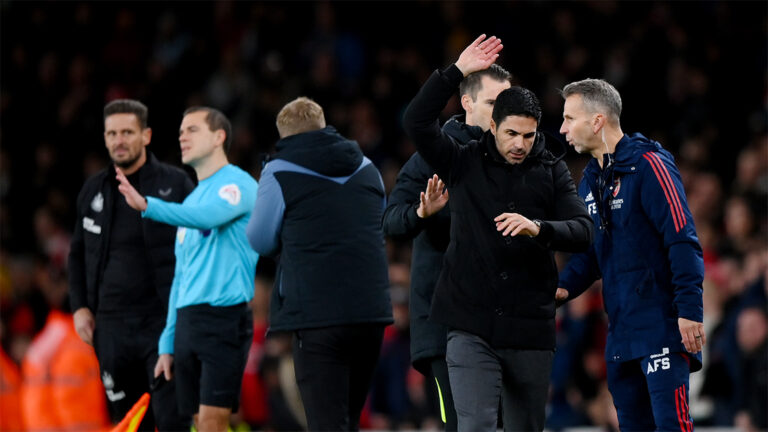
[[319, 208], [121, 267], [209, 327], [647, 253], [512, 204], [418, 208]]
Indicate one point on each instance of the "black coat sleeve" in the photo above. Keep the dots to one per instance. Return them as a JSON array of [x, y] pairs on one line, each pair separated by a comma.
[[187, 186], [422, 125], [571, 228], [78, 295], [167, 253], [400, 219]]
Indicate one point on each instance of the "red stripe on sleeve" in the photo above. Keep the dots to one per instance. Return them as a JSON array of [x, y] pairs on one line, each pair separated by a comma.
[[672, 188], [666, 193], [674, 199]]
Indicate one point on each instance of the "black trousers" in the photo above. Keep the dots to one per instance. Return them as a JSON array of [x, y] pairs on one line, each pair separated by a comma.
[[334, 367], [127, 351]]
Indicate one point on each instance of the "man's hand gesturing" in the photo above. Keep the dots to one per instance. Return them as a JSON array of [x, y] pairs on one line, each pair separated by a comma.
[[433, 199], [132, 196], [479, 55]]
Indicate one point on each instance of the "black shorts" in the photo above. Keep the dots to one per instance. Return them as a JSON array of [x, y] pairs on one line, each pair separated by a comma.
[[210, 350]]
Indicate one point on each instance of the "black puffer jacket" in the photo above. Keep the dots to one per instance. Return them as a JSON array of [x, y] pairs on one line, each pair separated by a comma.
[[319, 208], [499, 288], [89, 246], [428, 339]]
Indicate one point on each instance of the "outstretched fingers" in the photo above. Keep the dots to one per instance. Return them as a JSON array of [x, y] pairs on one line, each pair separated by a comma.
[[441, 188], [432, 186], [479, 55], [479, 40], [490, 48], [489, 45]]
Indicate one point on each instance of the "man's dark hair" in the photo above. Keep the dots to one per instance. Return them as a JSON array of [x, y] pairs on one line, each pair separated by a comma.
[[516, 101], [216, 120], [472, 83], [128, 106]]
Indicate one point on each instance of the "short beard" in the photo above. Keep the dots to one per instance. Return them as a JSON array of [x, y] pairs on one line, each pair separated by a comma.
[[127, 163]]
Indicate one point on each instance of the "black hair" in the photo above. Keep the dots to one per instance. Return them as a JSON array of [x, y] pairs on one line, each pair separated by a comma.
[[128, 106], [516, 101]]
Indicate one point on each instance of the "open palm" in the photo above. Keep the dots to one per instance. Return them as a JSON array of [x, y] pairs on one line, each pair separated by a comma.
[[433, 199], [479, 55]]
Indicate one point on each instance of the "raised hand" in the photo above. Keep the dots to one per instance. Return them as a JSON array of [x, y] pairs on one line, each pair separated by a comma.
[[479, 55], [132, 196], [433, 199]]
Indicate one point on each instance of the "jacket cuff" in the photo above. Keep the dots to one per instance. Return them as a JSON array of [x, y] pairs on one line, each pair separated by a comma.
[[147, 212], [165, 344], [691, 312], [453, 75], [76, 302], [413, 218], [546, 232]]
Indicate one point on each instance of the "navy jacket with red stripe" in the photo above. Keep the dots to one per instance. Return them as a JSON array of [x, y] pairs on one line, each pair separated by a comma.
[[645, 250]]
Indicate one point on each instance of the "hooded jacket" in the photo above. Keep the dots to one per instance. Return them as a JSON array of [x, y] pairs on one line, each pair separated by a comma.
[[499, 288], [428, 339], [646, 250], [319, 209], [89, 246]]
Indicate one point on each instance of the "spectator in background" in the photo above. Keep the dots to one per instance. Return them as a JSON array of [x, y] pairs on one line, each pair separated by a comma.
[[418, 208], [649, 258], [254, 409], [319, 207], [121, 266], [752, 337], [61, 387], [513, 203], [10, 392], [209, 327], [52, 238], [390, 401]]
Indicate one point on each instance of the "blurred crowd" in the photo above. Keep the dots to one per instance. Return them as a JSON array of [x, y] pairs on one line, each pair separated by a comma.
[[692, 75]]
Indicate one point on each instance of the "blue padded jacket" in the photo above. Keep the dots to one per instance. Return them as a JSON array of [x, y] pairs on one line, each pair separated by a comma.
[[645, 249]]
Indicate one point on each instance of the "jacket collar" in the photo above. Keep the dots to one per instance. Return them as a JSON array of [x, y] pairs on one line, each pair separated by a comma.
[[146, 172], [457, 128], [324, 151], [626, 156]]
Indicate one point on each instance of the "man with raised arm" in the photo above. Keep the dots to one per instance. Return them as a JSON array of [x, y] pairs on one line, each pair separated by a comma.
[[418, 208], [512, 204]]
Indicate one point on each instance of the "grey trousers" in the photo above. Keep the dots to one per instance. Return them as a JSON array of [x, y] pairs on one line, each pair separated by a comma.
[[481, 374]]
